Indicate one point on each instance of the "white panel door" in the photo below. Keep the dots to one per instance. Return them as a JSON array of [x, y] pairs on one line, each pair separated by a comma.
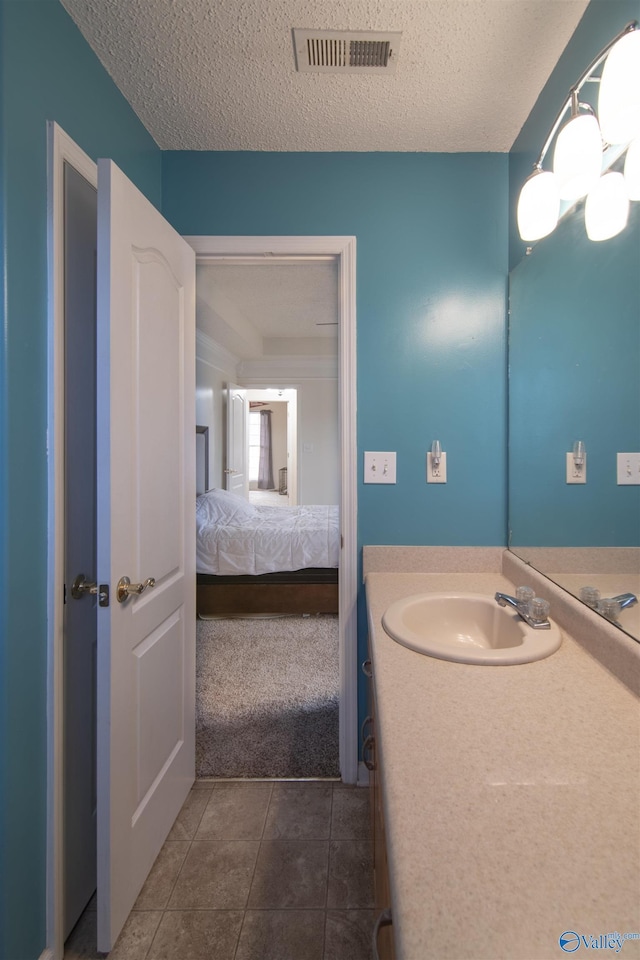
[[237, 468], [145, 529]]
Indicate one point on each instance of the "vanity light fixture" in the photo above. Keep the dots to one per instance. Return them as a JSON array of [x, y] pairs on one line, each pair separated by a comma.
[[578, 453], [577, 463], [607, 208], [632, 170], [579, 147]]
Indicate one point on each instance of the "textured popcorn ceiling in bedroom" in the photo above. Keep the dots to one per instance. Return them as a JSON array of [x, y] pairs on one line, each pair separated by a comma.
[[274, 308], [220, 74]]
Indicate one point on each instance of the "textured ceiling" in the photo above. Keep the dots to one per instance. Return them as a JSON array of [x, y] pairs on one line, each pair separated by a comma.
[[253, 308], [220, 74]]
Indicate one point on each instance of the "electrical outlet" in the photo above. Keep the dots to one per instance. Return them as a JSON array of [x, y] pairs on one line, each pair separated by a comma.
[[379, 467], [437, 474], [576, 474], [628, 468]]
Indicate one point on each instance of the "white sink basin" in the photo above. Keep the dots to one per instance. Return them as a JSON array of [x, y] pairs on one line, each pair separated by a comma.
[[468, 628]]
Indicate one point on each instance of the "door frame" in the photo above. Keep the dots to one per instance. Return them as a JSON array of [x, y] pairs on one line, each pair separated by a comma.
[[61, 149], [344, 251]]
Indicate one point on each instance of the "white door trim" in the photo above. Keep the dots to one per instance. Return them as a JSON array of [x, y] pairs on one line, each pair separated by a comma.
[[61, 149], [344, 249]]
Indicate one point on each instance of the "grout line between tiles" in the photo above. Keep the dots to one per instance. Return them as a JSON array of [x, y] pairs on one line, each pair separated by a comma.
[[155, 934]]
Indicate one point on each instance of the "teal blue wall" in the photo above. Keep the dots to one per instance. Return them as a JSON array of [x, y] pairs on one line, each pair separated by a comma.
[[574, 352], [574, 344], [431, 235], [48, 73]]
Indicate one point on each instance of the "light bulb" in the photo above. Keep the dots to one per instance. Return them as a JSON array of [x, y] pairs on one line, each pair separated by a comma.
[[632, 170], [607, 208], [619, 97], [577, 159], [538, 206]]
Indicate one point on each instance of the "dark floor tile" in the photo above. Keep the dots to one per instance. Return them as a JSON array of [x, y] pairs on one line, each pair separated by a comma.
[[216, 875], [348, 935], [190, 815], [235, 811], [136, 937], [197, 935], [162, 877], [132, 944], [299, 811], [350, 874], [351, 814], [290, 873], [282, 935]]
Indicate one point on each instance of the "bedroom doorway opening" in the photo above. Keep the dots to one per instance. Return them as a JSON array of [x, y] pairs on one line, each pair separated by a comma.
[[282, 361], [273, 446]]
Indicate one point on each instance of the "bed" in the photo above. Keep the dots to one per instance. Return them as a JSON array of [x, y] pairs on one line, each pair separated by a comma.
[[260, 559]]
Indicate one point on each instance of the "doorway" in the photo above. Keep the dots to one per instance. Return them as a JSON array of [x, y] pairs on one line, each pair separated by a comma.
[[282, 453], [80, 750], [80, 607], [72, 512], [343, 249]]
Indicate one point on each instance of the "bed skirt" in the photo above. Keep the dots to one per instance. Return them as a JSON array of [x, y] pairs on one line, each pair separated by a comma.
[[313, 590]]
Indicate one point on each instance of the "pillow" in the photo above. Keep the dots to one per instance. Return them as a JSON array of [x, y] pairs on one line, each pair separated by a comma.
[[220, 506]]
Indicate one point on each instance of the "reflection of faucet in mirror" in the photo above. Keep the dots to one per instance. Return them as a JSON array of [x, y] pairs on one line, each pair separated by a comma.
[[612, 607], [626, 600]]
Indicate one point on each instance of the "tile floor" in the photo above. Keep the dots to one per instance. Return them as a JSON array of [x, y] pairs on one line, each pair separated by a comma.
[[254, 871]]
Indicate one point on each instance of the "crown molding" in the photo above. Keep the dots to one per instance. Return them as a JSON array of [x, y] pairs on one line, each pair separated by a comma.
[[216, 356], [289, 368]]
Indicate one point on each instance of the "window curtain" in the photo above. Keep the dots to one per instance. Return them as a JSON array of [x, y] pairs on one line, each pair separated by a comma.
[[265, 470]]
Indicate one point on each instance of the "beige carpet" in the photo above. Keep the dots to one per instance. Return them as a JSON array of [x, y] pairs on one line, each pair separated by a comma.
[[267, 696]]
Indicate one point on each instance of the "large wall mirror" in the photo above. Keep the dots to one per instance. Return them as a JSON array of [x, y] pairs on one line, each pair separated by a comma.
[[574, 374]]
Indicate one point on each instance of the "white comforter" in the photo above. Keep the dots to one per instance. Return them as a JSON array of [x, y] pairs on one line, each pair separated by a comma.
[[268, 540]]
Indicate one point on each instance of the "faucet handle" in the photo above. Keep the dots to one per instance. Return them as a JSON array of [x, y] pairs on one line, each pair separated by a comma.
[[539, 609], [609, 608], [524, 595], [590, 596]]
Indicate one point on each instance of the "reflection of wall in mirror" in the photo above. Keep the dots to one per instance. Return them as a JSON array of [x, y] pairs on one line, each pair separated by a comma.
[[574, 365], [574, 356]]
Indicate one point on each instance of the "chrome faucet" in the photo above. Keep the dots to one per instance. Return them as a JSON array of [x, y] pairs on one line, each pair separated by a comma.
[[625, 600], [505, 600]]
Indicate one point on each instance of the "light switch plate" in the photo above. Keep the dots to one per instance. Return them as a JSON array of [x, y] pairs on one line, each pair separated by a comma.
[[437, 474], [576, 474], [379, 467], [628, 468]]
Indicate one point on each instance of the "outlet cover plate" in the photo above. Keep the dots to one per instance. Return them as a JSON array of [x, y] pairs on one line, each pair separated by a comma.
[[437, 474], [628, 469], [576, 474], [379, 467]]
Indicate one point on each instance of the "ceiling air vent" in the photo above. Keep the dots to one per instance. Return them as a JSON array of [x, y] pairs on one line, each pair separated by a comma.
[[343, 51]]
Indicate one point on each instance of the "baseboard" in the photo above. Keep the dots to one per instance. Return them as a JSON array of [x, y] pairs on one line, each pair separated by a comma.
[[363, 775], [47, 954]]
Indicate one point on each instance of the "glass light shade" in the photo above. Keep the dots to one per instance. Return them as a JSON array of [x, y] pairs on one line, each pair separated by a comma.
[[632, 170], [619, 97], [538, 206], [577, 159], [607, 208]]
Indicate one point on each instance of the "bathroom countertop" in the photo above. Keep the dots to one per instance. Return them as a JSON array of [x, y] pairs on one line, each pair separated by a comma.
[[511, 794]]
